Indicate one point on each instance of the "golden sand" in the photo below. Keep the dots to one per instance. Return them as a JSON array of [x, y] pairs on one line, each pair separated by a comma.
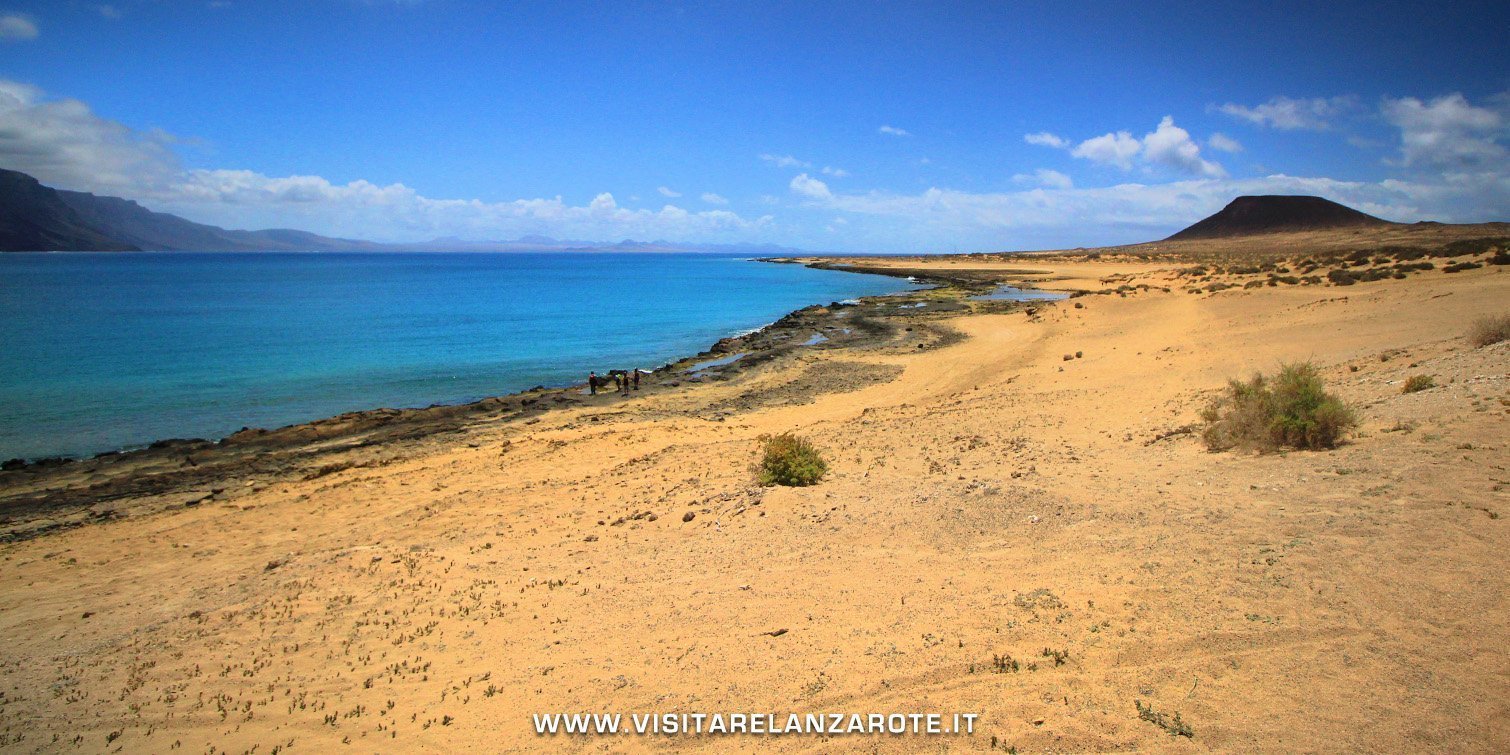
[[988, 499]]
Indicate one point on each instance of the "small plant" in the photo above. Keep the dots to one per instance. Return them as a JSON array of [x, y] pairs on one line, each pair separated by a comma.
[[1174, 726], [790, 460], [1418, 383], [1060, 657], [1489, 330], [1293, 410], [1004, 664]]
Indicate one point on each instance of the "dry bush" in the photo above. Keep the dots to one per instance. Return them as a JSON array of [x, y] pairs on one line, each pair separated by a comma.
[[1293, 410], [1489, 330], [1418, 383]]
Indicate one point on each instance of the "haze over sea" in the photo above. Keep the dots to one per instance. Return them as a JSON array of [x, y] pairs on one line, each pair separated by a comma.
[[106, 351]]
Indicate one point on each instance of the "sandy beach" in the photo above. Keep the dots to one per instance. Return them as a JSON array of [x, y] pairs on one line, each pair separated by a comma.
[[1020, 521]]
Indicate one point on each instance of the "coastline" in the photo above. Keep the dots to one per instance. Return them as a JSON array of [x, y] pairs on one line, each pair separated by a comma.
[[46, 495], [1019, 520], [51, 494]]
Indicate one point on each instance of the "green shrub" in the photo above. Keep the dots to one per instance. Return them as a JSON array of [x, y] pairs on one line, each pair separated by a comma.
[[1291, 411], [1418, 383], [1489, 330], [1342, 277], [790, 460]]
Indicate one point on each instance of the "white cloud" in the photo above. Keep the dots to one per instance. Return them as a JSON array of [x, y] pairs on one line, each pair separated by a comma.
[[15, 28], [1223, 143], [1140, 212], [1117, 149], [665, 192], [1049, 179], [1167, 146], [788, 161], [64, 144], [1315, 114], [893, 131], [1171, 146], [712, 198], [785, 161], [810, 187], [1046, 139], [1449, 132], [109, 11], [362, 209]]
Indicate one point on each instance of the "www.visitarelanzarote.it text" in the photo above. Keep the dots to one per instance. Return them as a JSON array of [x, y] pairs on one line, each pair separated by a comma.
[[827, 724]]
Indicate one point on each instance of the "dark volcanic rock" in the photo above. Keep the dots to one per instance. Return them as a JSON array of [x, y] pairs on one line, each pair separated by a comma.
[[1247, 216]]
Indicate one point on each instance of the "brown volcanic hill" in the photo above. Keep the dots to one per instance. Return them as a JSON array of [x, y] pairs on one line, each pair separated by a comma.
[[1247, 216]]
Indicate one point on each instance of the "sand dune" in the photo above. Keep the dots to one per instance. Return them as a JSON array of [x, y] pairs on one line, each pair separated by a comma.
[[989, 502]]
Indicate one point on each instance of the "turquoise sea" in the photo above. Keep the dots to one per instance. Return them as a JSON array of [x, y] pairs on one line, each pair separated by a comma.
[[100, 352]]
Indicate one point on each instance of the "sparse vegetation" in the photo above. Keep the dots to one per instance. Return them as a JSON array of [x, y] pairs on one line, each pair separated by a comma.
[[1489, 330], [1418, 383], [1174, 726], [1342, 277], [1293, 410], [790, 460]]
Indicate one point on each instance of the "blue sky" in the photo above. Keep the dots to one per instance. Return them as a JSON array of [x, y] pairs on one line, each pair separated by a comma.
[[845, 126]]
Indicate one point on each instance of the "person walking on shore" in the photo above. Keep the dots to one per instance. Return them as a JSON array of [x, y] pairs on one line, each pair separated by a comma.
[[592, 383], [636, 378]]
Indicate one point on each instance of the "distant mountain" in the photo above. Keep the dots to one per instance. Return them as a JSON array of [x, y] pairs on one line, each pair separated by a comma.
[[538, 243], [1250, 215], [34, 218], [142, 228]]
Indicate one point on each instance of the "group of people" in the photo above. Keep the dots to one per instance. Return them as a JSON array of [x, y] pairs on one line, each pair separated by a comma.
[[623, 381]]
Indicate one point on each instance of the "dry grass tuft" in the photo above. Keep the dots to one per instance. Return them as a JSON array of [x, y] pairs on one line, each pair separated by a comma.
[[1489, 330], [1418, 383]]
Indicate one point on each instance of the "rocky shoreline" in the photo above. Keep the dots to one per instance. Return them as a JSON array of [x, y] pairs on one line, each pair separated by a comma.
[[47, 495]]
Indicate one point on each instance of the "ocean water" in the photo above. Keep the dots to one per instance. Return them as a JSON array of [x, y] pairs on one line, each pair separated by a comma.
[[107, 351]]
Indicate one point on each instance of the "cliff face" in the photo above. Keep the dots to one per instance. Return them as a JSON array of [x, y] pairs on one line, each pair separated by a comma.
[[1250, 215], [34, 218], [160, 231]]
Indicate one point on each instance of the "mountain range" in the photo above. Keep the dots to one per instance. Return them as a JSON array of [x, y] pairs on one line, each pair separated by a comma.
[[37, 218]]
